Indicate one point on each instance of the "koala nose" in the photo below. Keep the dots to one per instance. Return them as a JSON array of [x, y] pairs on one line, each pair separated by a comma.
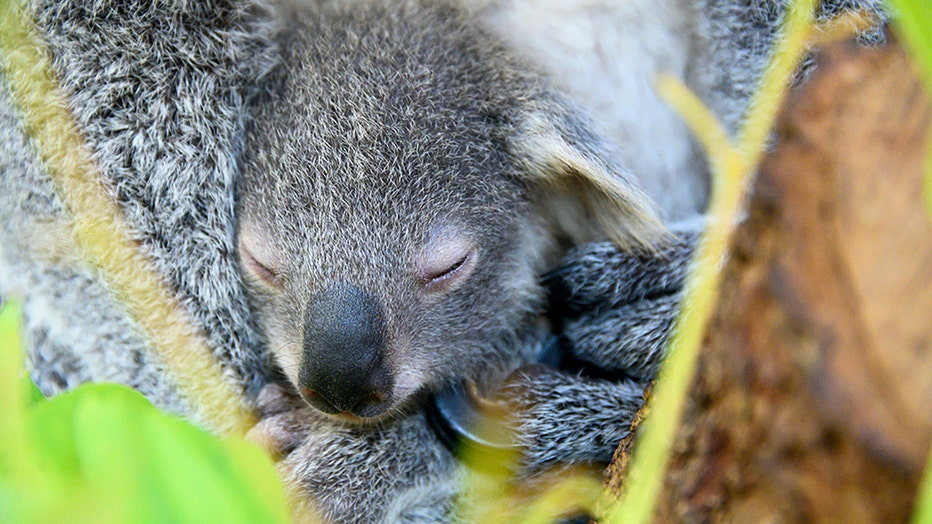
[[342, 370]]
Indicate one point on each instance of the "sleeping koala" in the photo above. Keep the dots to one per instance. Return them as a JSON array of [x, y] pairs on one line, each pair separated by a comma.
[[395, 232]]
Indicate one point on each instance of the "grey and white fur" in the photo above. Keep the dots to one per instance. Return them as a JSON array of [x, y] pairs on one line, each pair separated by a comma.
[[389, 117]]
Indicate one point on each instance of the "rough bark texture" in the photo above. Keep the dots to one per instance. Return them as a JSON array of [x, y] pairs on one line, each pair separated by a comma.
[[812, 400]]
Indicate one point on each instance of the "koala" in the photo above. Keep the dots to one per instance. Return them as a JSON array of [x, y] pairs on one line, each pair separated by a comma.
[[357, 202], [394, 233]]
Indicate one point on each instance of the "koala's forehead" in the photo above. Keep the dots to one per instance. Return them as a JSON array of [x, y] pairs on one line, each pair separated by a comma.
[[383, 214]]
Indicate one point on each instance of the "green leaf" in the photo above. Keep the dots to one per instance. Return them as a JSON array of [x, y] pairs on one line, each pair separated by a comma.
[[913, 23], [34, 395], [132, 463], [12, 394], [103, 453]]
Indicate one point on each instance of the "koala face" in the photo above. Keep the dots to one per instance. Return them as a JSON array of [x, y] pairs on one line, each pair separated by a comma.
[[379, 299], [404, 184], [372, 286]]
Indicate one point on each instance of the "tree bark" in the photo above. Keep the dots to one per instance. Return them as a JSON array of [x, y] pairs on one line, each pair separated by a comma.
[[813, 393]]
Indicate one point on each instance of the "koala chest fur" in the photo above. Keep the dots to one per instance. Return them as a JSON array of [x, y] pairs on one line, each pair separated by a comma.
[[406, 182]]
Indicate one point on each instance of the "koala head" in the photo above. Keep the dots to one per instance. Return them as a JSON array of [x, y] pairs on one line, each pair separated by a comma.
[[405, 183]]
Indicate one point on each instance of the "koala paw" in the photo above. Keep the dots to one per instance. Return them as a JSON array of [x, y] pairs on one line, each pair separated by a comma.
[[614, 311], [562, 419], [284, 421]]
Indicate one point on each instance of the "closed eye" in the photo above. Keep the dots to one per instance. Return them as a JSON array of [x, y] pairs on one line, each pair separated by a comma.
[[450, 270], [263, 273], [443, 276], [447, 259]]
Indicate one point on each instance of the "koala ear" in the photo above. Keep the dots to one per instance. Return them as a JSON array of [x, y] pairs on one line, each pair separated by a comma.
[[580, 191]]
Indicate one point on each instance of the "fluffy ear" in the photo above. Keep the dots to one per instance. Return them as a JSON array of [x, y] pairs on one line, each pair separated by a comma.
[[580, 191]]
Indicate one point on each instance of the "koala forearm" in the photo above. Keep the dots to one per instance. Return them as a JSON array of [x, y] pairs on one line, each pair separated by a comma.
[[630, 339], [600, 275], [619, 309], [616, 308], [74, 330], [162, 106]]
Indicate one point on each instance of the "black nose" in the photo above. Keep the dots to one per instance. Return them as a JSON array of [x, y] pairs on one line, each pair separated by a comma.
[[342, 370]]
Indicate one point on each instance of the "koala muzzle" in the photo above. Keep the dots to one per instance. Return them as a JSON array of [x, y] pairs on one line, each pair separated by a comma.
[[342, 371]]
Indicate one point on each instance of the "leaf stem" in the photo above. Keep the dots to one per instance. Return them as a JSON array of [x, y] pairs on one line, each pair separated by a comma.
[[733, 167]]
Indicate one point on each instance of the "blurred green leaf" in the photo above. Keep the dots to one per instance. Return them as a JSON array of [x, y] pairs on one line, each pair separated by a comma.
[[12, 402], [34, 396], [913, 23], [103, 453]]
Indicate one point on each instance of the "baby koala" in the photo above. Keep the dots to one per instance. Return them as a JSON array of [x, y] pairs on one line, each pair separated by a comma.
[[406, 182]]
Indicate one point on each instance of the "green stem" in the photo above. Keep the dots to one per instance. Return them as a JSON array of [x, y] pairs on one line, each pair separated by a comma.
[[733, 170]]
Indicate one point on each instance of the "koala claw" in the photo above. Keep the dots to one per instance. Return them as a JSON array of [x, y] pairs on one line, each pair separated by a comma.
[[283, 421]]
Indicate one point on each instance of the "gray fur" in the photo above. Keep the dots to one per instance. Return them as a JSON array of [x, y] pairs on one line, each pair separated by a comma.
[[170, 161], [617, 307], [599, 275], [544, 400], [733, 37], [414, 110], [630, 339], [75, 331]]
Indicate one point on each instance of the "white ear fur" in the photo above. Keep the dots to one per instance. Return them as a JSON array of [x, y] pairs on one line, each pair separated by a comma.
[[580, 192]]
